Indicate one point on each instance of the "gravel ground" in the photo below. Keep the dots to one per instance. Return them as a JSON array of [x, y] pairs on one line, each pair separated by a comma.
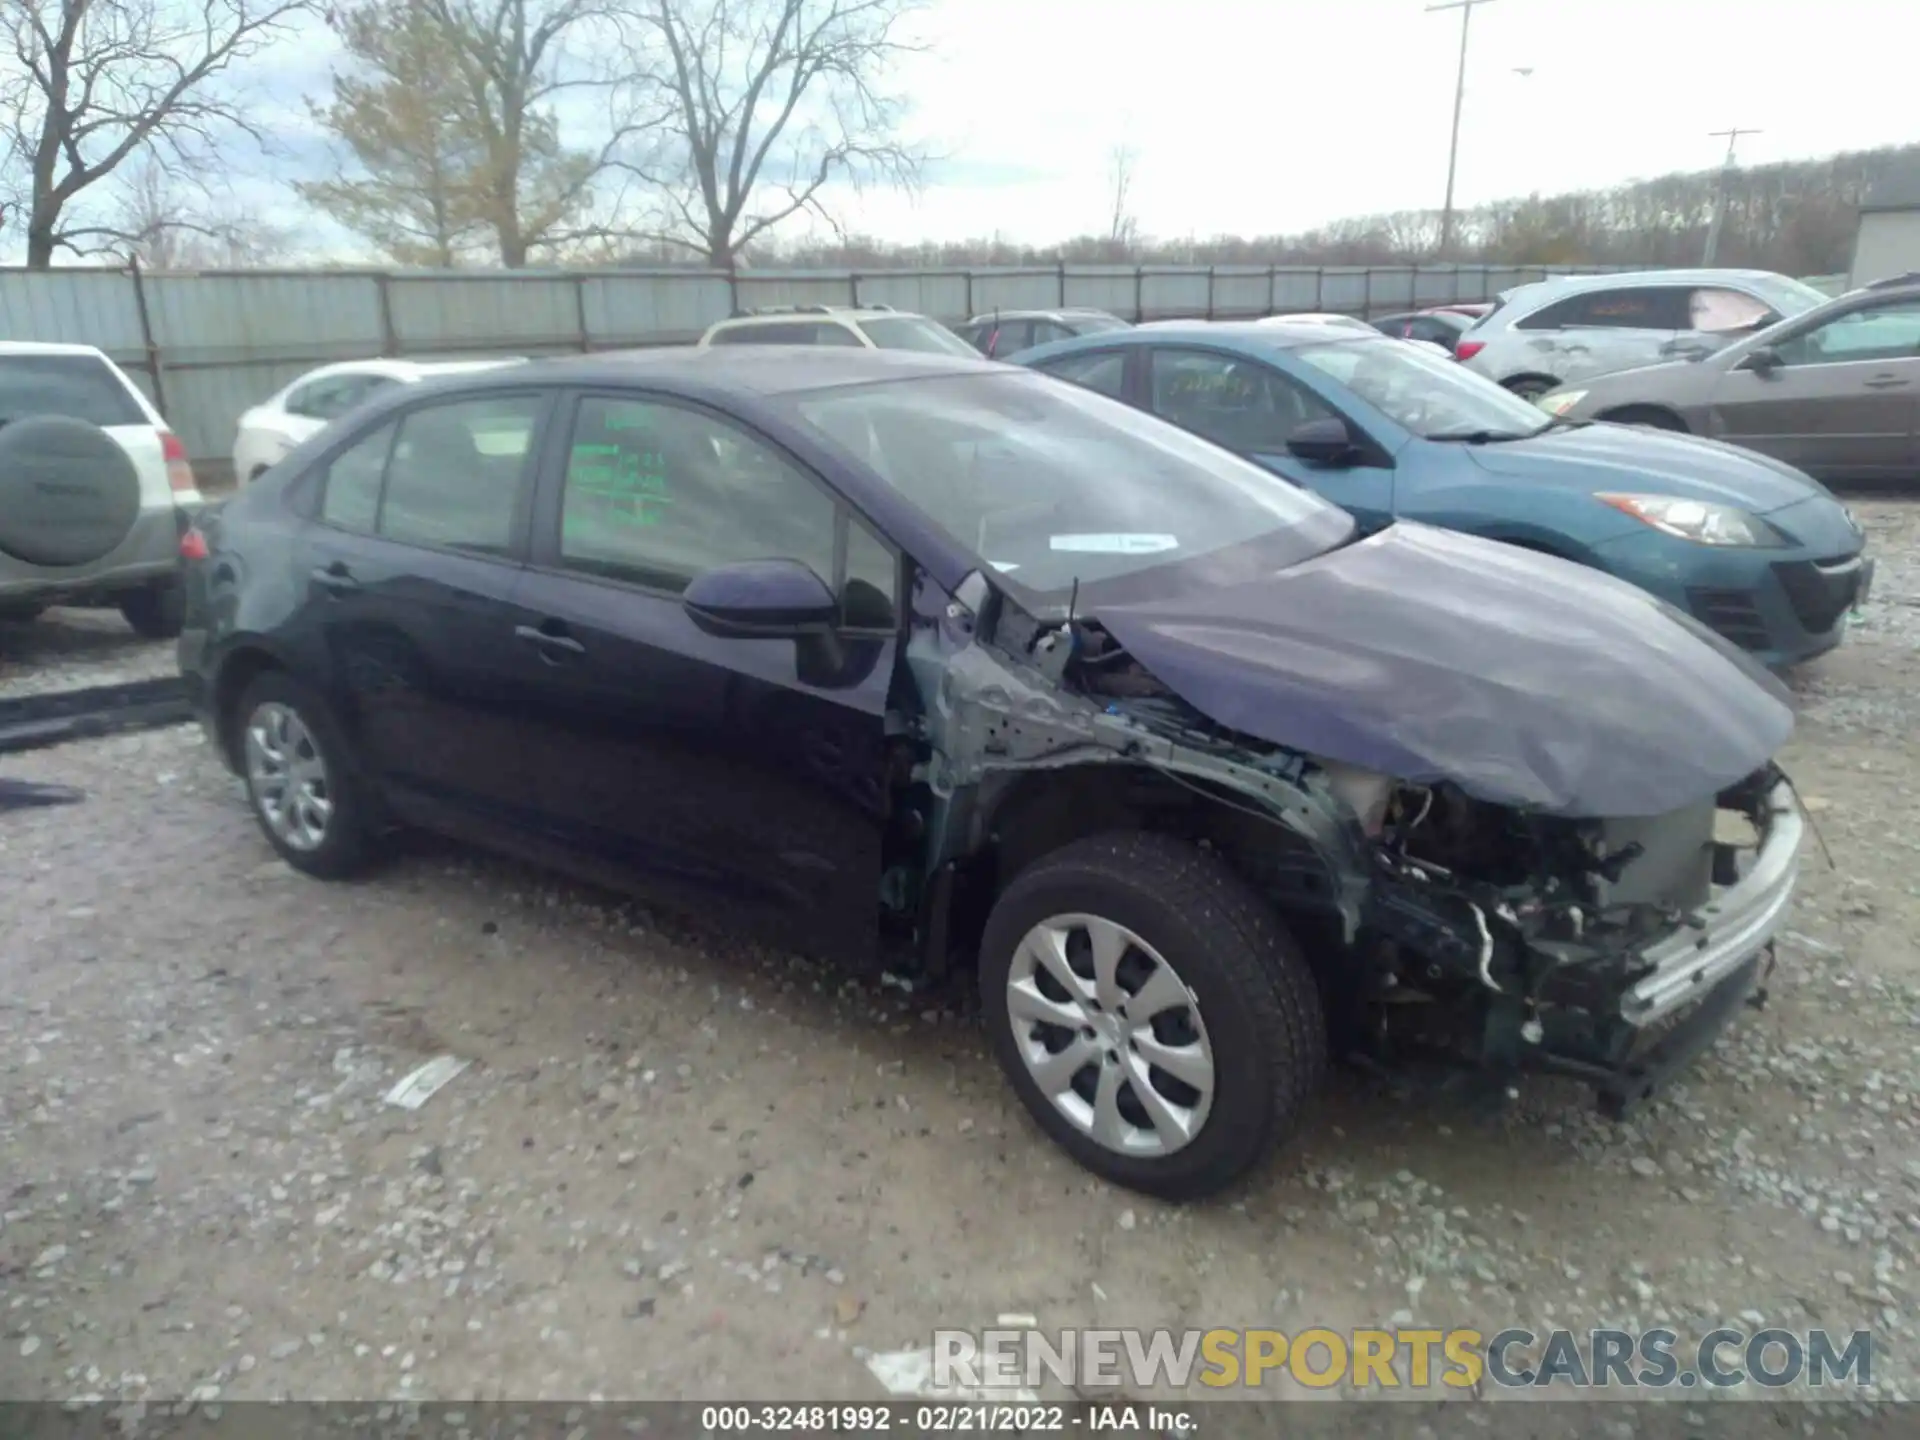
[[680, 1168]]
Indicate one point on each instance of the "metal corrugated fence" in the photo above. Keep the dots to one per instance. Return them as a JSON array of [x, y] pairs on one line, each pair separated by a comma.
[[207, 345]]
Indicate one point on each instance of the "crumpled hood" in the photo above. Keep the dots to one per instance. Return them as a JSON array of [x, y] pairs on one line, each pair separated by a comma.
[[1650, 462], [1429, 655]]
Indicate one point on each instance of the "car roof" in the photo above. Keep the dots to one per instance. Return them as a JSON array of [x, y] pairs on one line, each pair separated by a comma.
[[1057, 312], [48, 347], [756, 369], [1572, 284], [815, 313], [1250, 337]]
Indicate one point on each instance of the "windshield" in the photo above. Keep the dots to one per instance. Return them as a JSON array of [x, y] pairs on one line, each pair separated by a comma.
[[1052, 484], [1788, 297], [1430, 394], [911, 332], [1097, 324]]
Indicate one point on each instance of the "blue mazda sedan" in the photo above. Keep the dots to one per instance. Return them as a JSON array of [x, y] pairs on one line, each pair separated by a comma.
[[1752, 548]]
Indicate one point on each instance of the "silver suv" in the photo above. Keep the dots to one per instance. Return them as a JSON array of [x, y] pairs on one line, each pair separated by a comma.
[[874, 327], [1543, 335]]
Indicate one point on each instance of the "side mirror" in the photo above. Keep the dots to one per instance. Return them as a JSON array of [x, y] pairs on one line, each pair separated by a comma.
[[1324, 442], [760, 599], [1763, 361]]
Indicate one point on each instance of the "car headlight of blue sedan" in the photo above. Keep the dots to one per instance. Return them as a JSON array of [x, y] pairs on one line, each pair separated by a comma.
[[1700, 521]]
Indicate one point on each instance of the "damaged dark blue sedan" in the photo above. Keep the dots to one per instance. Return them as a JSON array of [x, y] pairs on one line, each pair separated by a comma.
[[945, 666]]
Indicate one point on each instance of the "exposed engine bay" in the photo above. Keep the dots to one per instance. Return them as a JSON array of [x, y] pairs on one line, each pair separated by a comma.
[[1490, 933]]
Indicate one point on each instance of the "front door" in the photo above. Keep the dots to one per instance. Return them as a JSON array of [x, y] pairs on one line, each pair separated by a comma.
[[1251, 408], [1843, 402], [409, 572], [730, 776]]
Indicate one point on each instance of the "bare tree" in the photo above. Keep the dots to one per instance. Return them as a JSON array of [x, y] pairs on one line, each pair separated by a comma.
[[99, 81], [760, 107], [509, 60], [165, 224], [1124, 229]]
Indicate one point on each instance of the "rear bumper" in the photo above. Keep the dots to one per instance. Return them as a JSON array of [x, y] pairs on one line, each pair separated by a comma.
[[150, 552]]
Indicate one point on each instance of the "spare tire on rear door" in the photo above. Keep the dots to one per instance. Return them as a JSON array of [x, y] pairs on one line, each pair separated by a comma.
[[68, 493]]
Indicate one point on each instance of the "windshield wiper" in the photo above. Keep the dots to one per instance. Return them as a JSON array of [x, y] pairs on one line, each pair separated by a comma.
[[1480, 437]]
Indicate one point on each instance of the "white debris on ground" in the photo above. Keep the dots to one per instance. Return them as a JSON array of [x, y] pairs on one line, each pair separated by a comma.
[[681, 1166]]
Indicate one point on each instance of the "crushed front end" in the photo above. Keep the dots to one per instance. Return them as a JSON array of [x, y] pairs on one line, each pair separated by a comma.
[[1613, 951]]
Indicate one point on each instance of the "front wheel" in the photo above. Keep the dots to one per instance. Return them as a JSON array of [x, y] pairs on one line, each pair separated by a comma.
[[157, 611], [1531, 387], [1151, 1011]]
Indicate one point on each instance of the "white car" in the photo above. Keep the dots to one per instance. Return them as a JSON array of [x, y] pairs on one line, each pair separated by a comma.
[[311, 403], [95, 489]]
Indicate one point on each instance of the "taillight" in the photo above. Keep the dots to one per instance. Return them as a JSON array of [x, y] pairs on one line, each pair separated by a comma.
[[193, 545], [1467, 349], [179, 470]]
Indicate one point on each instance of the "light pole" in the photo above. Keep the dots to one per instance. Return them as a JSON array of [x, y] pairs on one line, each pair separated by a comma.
[[1720, 196], [1465, 7]]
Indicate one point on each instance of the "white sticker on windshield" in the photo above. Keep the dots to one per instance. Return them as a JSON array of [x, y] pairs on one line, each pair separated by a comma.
[[1116, 544]]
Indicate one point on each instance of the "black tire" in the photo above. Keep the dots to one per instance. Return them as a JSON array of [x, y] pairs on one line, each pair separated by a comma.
[[156, 612], [1651, 416], [349, 843], [1252, 988], [68, 493], [1531, 387]]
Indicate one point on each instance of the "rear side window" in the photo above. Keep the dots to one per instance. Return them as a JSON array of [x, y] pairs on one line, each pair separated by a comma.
[[331, 396], [80, 387], [446, 475], [795, 333], [1642, 307], [1103, 370]]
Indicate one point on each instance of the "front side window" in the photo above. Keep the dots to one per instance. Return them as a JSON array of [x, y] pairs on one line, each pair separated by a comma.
[[1236, 402], [453, 477], [1883, 332], [1430, 395], [657, 493], [1051, 485], [1104, 371], [914, 332]]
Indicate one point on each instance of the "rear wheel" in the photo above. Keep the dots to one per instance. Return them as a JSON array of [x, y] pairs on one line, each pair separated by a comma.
[[157, 611], [1531, 387], [1151, 1011], [305, 792]]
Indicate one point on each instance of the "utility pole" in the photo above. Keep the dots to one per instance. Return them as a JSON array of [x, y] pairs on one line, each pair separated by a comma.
[[1465, 7], [1732, 137]]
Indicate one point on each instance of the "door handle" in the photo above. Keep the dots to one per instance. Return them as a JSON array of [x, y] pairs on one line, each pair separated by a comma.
[[550, 642], [335, 578], [1885, 382]]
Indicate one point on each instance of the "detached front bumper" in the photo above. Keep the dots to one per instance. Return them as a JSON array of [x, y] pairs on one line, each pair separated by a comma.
[[1729, 930], [1688, 986]]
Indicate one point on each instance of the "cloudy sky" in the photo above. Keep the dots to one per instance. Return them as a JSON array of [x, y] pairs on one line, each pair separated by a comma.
[[1262, 116]]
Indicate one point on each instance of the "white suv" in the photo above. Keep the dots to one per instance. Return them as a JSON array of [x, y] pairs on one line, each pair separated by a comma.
[[1543, 335], [872, 328], [95, 490]]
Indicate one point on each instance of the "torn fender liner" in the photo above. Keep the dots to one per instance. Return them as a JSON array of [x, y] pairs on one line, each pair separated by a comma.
[[1429, 655]]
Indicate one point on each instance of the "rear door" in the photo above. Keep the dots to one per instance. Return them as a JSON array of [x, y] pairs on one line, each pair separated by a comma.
[[1251, 408], [738, 776], [410, 570], [1844, 402]]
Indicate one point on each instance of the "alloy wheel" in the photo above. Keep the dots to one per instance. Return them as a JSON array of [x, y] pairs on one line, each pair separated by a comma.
[[1111, 1035], [287, 776]]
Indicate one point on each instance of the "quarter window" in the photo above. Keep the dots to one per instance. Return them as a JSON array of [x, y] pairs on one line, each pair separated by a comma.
[[657, 493], [352, 497]]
